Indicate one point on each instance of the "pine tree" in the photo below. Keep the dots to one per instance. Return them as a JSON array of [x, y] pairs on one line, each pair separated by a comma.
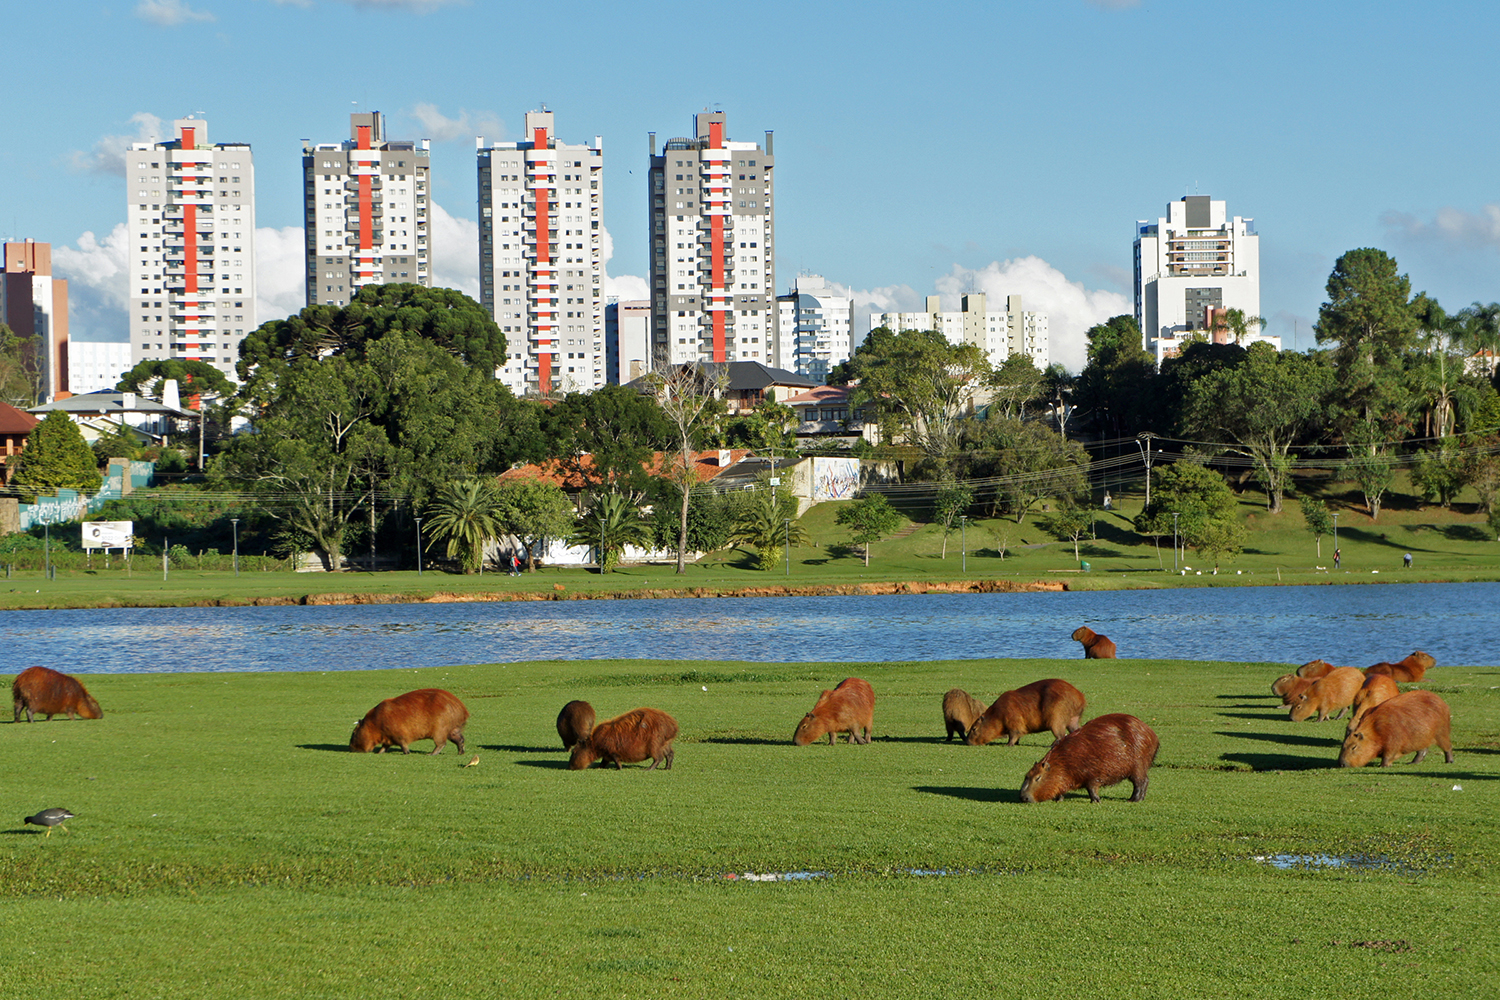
[[55, 457]]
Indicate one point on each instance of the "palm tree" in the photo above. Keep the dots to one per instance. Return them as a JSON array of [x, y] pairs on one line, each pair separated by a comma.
[[612, 523], [769, 523], [1439, 377], [465, 515]]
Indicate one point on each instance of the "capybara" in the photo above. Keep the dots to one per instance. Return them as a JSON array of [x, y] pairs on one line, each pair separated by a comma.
[[1333, 692], [1377, 688], [1105, 752], [960, 709], [43, 691], [574, 723], [628, 739], [848, 708], [1289, 686], [1408, 723], [1411, 669], [1314, 669], [1037, 707], [1095, 646], [428, 714]]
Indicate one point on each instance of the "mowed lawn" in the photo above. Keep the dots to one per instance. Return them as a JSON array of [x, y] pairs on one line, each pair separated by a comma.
[[227, 844]]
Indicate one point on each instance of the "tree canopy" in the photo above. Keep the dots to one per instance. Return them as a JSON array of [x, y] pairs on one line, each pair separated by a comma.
[[55, 458], [923, 382], [1114, 383]]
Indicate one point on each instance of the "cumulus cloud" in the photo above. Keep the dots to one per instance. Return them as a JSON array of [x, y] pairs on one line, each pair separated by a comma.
[[441, 128], [1070, 307], [455, 251], [280, 272], [96, 272], [170, 13], [625, 287], [108, 154], [1450, 227]]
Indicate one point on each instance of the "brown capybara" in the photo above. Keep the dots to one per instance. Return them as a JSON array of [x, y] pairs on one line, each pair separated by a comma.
[[1039, 706], [428, 714], [43, 691], [1333, 692], [1408, 723], [1314, 669], [848, 708], [960, 709], [1105, 752], [574, 723], [1289, 686], [1376, 689], [628, 739], [1411, 669], [1095, 646]]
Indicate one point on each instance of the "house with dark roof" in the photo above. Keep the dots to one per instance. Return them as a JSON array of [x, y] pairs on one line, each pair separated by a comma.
[[101, 413], [747, 384]]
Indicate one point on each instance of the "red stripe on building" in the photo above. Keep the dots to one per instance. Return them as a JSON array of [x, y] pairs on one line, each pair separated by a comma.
[[716, 248], [543, 263]]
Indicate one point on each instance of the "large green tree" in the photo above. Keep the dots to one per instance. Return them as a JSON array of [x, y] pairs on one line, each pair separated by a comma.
[[535, 512], [1207, 515], [612, 523], [768, 522], [55, 457], [606, 438], [1115, 385], [869, 519], [20, 376], [1025, 462], [919, 384], [1016, 384]]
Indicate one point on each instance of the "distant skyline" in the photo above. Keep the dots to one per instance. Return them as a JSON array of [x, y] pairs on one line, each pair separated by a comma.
[[936, 148]]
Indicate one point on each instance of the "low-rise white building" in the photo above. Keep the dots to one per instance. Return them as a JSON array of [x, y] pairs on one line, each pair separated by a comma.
[[999, 333], [814, 327], [95, 365]]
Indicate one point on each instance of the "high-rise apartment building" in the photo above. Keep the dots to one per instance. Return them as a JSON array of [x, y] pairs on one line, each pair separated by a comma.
[[713, 272], [35, 304], [365, 212], [998, 332], [1189, 267], [627, 340], [541, 261], [191, 221], [814, 328]]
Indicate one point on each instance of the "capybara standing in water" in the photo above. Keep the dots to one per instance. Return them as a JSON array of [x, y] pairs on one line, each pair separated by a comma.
[[1411, 669], [628, 739], [1408, 723], [1095, 646], [575, 722], [1333, 692], [848, 708], [428, 714], [1376, 689], [43, 691], [960, 709], [1105, 752], [1039, 706]]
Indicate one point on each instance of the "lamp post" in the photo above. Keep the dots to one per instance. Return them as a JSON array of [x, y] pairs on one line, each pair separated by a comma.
[[788, 539], [1174, 541], [419, 546], [235, 523], [47, 551], [963, 540], [1335, 539], [1143, 442]]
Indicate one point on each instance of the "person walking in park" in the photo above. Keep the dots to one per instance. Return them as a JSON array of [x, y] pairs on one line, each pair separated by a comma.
[[1406, 560], [1335, 558]]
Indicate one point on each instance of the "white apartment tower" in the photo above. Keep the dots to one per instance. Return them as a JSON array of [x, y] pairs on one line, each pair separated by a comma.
[[998, 332], [365, 212], [1189, 265], [541, 263], [713, 277], [191, 221], [814, 328]]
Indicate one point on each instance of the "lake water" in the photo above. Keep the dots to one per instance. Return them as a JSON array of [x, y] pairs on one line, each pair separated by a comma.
[[1356, 625]]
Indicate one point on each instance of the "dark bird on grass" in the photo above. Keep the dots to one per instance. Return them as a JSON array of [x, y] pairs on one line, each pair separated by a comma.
[[50, 818]]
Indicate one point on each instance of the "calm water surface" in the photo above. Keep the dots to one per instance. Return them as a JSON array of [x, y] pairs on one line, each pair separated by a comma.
[[1356, 625]]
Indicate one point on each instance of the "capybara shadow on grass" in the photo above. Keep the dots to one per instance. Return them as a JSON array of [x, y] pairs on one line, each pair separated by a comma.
[[44, 691], [848, 708], [426, 714]]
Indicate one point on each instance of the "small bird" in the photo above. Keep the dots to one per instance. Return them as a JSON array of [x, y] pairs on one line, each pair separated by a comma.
[[472, 762], [50, 818]]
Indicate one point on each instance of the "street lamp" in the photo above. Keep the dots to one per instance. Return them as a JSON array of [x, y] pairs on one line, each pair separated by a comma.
[[419, 546], [235, 522], [1174, 541], [1143, 442], [963, 540], [47, 551], [1335, 539], [788, 540]]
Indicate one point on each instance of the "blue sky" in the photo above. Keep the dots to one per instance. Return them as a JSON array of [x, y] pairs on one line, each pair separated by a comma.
[[932, 147]]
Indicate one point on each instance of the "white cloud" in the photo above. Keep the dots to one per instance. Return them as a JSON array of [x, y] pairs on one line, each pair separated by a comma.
[[625, 287], [108, 154], [1450, 227], [169, 13], [440, 128], [280, 272], [1071, 308], [455, 252], [96, 272]]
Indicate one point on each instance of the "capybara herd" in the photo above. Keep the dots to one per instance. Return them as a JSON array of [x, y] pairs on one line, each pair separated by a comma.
[[44, 691]]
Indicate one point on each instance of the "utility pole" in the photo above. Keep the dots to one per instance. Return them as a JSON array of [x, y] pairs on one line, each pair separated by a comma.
[[1143, 442]]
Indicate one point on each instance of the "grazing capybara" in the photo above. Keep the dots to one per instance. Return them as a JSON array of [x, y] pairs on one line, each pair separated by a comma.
[[43, 691], [1095, 646], [1314, 669], [848, 708], [428, 714], [1289, 686], [1408, 723], [575, 722], [1039, 706], [1411, 669], [1376, 689], [960, 709], [628, 739], [1105, 752], [1333, 692]]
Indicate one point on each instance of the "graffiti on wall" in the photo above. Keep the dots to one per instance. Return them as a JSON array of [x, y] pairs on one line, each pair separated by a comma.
[[835, 478]]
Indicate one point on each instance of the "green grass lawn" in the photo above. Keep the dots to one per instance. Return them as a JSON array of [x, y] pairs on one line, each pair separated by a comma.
[[227, 844]]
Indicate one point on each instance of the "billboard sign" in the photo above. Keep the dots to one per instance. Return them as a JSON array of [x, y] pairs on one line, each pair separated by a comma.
[[108, 534]]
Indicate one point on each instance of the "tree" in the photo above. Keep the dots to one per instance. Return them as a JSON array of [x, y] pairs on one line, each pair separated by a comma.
[[534, 511], [1440, 474], [55, 458], [953, 498], [1262, 406], [193, 378], [1027, 460], [1057, 389], [1207, 514], [769, 429], [1438, 374], [617, 428], [1319, 521], [20, 375], [1016, 384], [919, 381], [464, 513], [769, 523], [1115, 384], [612, 523], [869, 520], [689, 397], [1070, 522]]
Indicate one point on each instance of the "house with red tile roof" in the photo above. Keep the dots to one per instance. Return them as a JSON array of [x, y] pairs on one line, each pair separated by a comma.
[[15, 425]]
